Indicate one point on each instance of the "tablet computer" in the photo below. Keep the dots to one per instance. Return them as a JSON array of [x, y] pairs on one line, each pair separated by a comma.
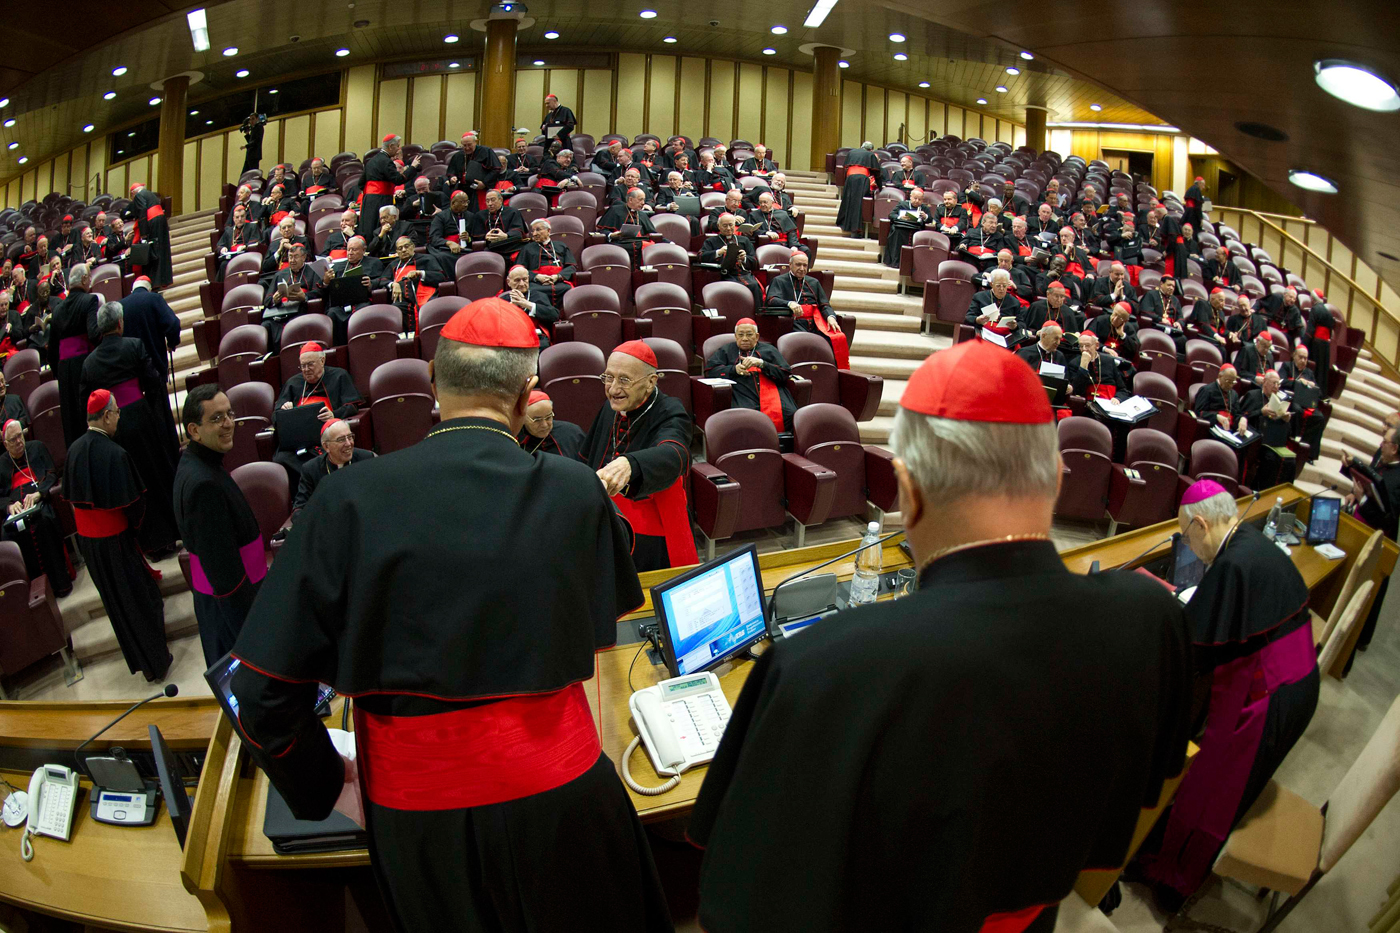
[[1323, 517], [298, 428]]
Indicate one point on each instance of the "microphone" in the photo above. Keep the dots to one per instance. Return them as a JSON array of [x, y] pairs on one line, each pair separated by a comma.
[[1238, 519], [1150, 548], [773, 598], [169, 691]]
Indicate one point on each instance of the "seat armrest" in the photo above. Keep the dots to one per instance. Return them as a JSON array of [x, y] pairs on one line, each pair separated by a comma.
[[211, 267], [362, 425], [563, 331], [583, 277], [1120, 487], [379, 296], [406, 348], [906, 260], [801, 390], [881, 487], [847, 323], [260, 371], [267, 444], [636, 328], [810, 488], [315, 306], [860, 393], [716, 505], [447, 288], [706, 399]]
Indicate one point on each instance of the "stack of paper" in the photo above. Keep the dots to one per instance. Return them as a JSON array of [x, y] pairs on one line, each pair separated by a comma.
[[1127, 410]]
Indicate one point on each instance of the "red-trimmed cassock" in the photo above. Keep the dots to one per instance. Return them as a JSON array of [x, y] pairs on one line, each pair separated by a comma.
[[148, 211]]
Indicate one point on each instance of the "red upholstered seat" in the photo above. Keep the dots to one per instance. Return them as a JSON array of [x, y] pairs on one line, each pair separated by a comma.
[[301, 330], [1152, 497], [22, 373], [810, 357], [1159, 389], [264, 485], [732, 300], [1212, 459], [571, 229], [591, 314], [432, 317], [1086, 448], [672, 265], [252, 401], [927, 253], [580, 205], [668, 307], [531, 204], [955, 290], [244, 262], [673, 370], [610, 266], [674, 228], [33, 627], [401, 404], [373, 341], [828, 435], [107, 281], [46, 423], [480, 275], [571, 374], [238, 349]]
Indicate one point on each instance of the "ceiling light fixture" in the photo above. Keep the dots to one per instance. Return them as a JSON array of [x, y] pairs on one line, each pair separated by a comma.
[[779, 30], [199, 29], [14, 145], [1013, 70], [843, 64], [118, 71], [539, 62], [4, 102], [341, 53], [551, 35], [1356, 84], [241, 73], [770, 51], [454, 64], [901, 57], [208, 122], [982, 101], [110, 95], [154, 101], [9, 123], [1027, 56], [194, 113], [896, 37], [817, 15], [1000, 89], [273, 91], [647, 14], [24, 159], [1311, 181], [230, 51], [1096, 107], [923, 84], [449, 39], [669, 40], [89, 128]]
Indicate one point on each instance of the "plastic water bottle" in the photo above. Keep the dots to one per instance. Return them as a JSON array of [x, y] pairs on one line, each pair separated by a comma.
[[1271, 526], [866, 582]]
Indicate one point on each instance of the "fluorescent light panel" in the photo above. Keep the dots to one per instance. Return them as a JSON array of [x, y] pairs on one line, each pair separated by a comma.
[[1143, 127], [199, 29], [819, 13]]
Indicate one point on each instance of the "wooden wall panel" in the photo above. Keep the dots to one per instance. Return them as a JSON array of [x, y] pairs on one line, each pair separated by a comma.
[[529, 102], [563, 83], [631, 94], [424, 125], [393, 108], [189, 181], [234, 165], [211, 175], [896, 104], [461, 106], [750, 102], [918, 120], [596, 115], [721, 123], [799, 152], [116, 180], [852, 114], [691, 118], [327, 141], [874, 127], [661, 97], [775, 113], [358, 127], [296, 139], [955, 123], [81, 177], [272, 143]]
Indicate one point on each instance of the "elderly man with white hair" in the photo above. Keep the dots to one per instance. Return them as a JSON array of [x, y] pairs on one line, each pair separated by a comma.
[[552, 265], [862, 172], [278, 255], [1110, 289], [775, 225], [349, 285], [758, 164], [72, 333], [1248, 622], [473, 168], [736, 256], [335, 243], [499, 225], [385, 171], [241, 234], [27, 477], [339, 452], [121, 365], [534, 298], [982, 243], [385, 237], [907, 218], [1046, 349], [628, 224], [1283, 312], [244, 196], [315, 383], [287, 294], [993, 304], [149, 318], [995, 694]]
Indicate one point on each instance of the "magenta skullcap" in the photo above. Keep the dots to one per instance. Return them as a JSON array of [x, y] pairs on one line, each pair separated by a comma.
[[1200, 490]]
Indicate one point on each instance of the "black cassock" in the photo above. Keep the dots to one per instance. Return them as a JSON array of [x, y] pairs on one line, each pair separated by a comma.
[[41, 541], [618, 216], [146, 429], [227, 557], [108, 500], [71, 333], [978, 744], [559, 123], [655, 439], [743, 271], [481, 166], [902, 231], [369, 595], [765, 390], [382, 176], [1318, 338], [508, 221], [317, 469], [549, 259], [151, 227], [336, 391], [857, 188], [1253, 643], [565, 439], [12, 408]]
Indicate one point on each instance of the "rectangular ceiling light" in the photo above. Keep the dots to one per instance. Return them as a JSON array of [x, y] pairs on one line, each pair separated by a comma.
[[818, 14], [1140, 127], [199, 29]]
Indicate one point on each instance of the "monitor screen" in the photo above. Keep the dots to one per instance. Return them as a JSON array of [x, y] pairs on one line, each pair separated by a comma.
[[1323, 516], [1187, 568], [711, 613], [172, 788]]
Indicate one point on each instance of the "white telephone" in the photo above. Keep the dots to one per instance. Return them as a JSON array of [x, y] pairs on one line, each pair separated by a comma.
[[53, 792], [681, 720]]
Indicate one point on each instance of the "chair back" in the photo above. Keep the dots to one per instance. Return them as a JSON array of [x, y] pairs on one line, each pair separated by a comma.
[[22, 373], [610, 267], [1158, 351], [571, 373], [1153, 454], [301, 330], [1364, 791], [674, 228], [238, 348], [827, 434], [672, 265], [1363, 568], [107, 281], [1212, 459], [253, 402], [930, 251], [480, 275], [955, 290], [33, 627], [1086, 449], [401, 404], [373, 341], [569, 229], [744, 444], [673, 369], [432, 318], [596, 314], [668, 307], [732, 300], [264, 485], [810, 356], [1161, 391], [1204, 360], [46, 421]]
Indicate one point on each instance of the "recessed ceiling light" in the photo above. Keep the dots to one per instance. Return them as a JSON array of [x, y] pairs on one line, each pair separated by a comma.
[[89, 128], [119, 152], [10, 122], [896, 37], [110, 95], [901, 57], [1096, 107], [14, 145], [449, 39], [194, 113], [454, 64], [4, 102], [118, 71], [154, 101], [770, 51], [539, 61], [241, 73], [132, 133], [551, 35], [1356, 84], [843, 64], [1311, 181], [230, 51], [1027, 56], [818, 13], [669, 40], [24, 159], [982, 100], [1013, 70], [779, 30], [647, 14], [341, 53], [208, 122], [1000, 89], [923, 84], [273, 91]]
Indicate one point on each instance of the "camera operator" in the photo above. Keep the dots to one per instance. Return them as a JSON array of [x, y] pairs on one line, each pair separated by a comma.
[[252, 129]]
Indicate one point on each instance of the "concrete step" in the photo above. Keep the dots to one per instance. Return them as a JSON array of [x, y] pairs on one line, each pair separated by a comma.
[[867, 321], [839, 240], [846, 250], [1354, 434], [865, 269], [876, 430], [890, 395], [865, 284], [888, 367], [1367, 364], [913, 346], [861, 300], [1324, 470], [1381, 390], [83, 605], [818, 230], [1343, 411]]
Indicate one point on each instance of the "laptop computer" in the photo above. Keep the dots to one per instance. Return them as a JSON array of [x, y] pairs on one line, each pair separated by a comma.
[[688, 204], [298, 429]]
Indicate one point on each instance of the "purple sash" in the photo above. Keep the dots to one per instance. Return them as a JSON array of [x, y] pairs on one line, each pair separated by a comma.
[[127, 392], [254, 565], [70, 347]]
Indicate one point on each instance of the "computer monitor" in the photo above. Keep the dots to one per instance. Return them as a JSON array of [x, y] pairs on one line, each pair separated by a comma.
[[1187, 568], [172, 788], [1323, 518], [711, 613]]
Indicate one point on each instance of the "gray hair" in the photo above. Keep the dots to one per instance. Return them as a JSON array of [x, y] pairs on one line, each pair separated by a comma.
[[109, 316], [76, 274], [497, 372], [951, 459], [111, 404], [390, 209], [538, 222], [991, 201], [1216, 509], [1000, 275], [353, 239], [867, 145]]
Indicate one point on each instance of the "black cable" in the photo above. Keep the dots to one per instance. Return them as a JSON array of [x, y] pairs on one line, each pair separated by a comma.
[[345, 714], [640, 648]]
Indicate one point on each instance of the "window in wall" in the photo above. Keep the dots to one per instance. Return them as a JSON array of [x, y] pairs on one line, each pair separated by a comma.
[[272, 99], [133, 141]]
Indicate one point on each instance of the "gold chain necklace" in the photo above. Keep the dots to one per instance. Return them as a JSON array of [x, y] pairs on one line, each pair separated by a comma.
[[473, 427], [944, 552]]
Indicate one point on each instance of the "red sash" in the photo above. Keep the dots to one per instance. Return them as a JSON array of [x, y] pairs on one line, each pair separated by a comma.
[[948, 223], [315, 189], [543, 182], [515, 747], [663, 514], [254, 559], [278, 215], [99, 240], [313, 399], [454, 238], [99, 523], [425, 292], [22, 478], [378, 187], [551, 270], [339, 254], [1133, 273], [1322, 333], [857, 170], [1075, 269], [154, 211], [979, 250], [1103, 391], [1013, 921], [839, 346]]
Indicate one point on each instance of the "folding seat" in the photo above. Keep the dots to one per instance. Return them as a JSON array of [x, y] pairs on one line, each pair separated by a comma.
[[571, 230], [810, 356], [300, 330], [1086, 450], [732, 300], [324, 225], [667, 306], [46, 421], [432, 318], [264, 486], [591, 314], [920, 260], [22, 373], [1242, 263], [955, 291], [673, 371], [531, 204], [1203, 362], [373, 341], [33, 626], [480, 274], [1152, 495], [1192, 290], [402, 408], [106, 280], [764, 486], [1271, 276], [571, 373], [675, 228], [1159, 389], [666, 262], [252, 402], [241, 305], [580, 204], [1212, 459], [827, 435], [609, 266], [239, 350], [1148, 279]]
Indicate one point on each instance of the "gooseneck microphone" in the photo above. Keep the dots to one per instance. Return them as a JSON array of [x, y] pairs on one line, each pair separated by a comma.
[[773, 597], [169, 691], [1150, 548]]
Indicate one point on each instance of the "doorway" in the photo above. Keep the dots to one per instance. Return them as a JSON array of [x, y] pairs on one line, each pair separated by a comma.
[[1130, 161]]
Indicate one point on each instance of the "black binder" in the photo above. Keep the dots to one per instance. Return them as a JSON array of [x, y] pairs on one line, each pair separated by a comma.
[[290, 836]]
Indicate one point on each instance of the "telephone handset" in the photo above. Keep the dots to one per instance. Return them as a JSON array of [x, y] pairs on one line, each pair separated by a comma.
[[53, 794], [681, 721]]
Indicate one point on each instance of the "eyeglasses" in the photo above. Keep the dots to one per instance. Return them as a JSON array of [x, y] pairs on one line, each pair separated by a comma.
[[623, 382], [540, 420], [347, 439], [222, 418]]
